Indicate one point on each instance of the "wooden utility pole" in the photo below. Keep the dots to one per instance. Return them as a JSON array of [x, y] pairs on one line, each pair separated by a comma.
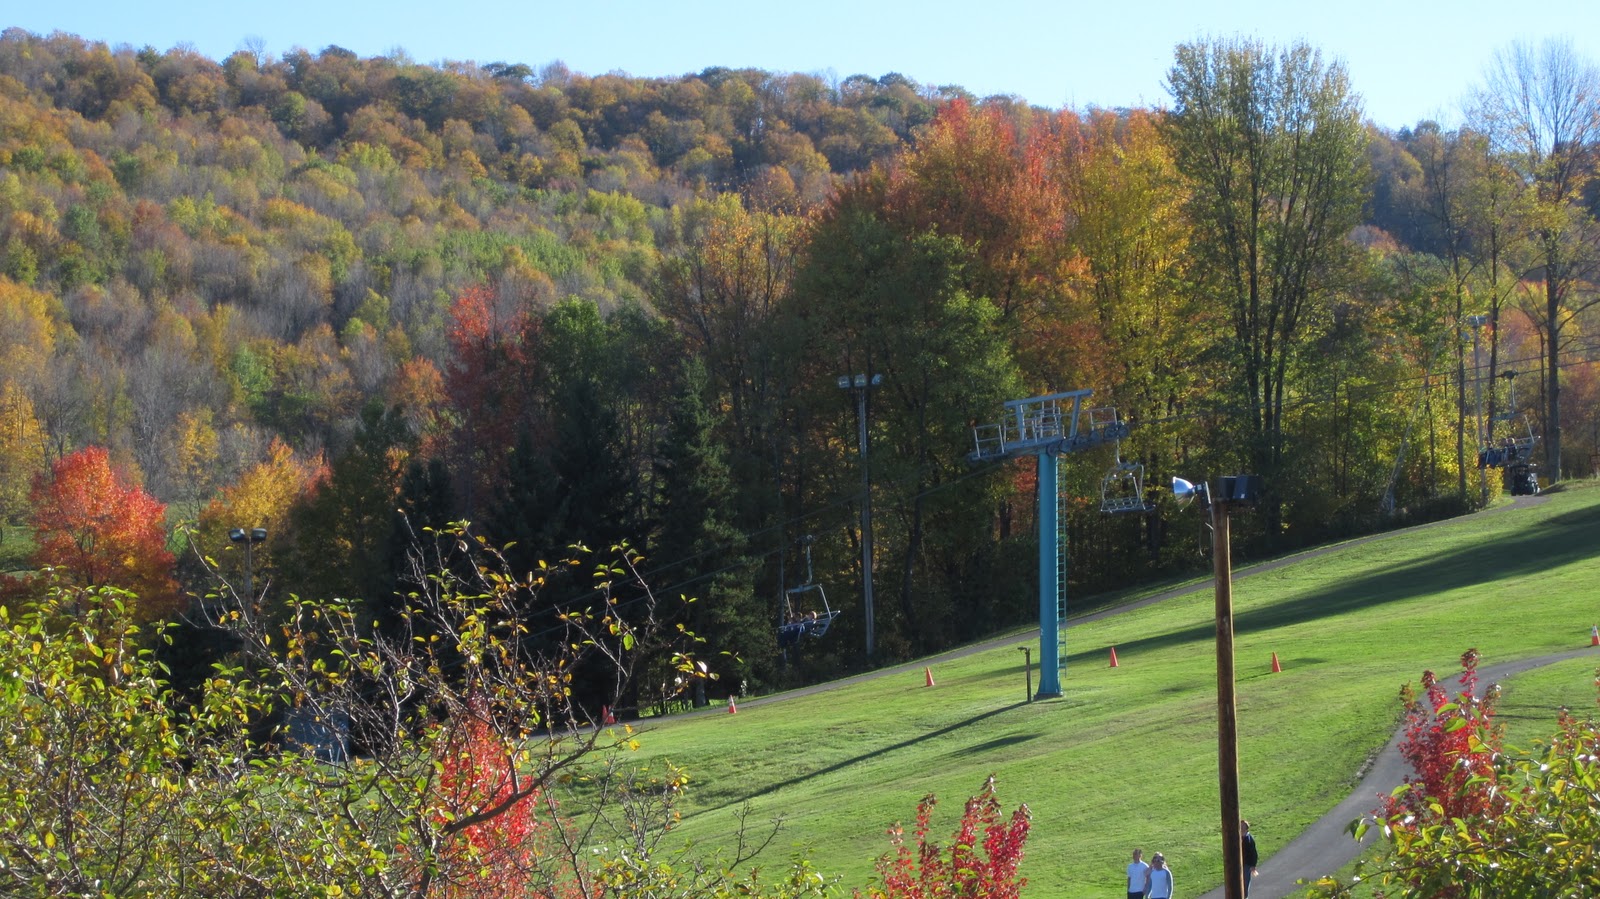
[[1227, 712]]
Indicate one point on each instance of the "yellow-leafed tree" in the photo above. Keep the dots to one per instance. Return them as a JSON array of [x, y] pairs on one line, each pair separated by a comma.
[[260, 499], [22, 443]]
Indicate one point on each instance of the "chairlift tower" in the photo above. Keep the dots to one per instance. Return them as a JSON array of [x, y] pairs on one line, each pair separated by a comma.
[[1046, 427]]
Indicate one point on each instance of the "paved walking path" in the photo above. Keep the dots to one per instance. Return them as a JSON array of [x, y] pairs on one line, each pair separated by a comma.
[[1325, 846]]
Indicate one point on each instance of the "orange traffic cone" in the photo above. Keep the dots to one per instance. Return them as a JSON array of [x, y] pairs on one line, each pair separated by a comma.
[[928, 673], [732, 709], [1594, 635], [1113, 657], [1276, 668], [606, 717]]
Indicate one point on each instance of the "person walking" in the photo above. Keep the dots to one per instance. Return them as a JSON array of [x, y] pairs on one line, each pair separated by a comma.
[[1247, 844], [1137, 869], [1158, 880]]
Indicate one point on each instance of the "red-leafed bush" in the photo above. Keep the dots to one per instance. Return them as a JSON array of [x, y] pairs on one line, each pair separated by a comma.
[[1482, 821], [1451, 744], [980, 863], [499, 828]]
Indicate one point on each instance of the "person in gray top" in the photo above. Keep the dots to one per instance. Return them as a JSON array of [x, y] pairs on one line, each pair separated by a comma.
[[1158, 881]]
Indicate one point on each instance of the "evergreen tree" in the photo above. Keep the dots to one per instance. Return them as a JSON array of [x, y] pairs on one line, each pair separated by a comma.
[[698, 552], [529, 515], [340, 536], [426, 504], [598, 483]]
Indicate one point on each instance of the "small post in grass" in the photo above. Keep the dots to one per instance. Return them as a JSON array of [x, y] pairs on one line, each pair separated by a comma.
[[1027, 671]]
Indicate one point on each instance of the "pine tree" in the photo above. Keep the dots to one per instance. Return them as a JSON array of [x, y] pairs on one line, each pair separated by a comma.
[[698, 553], [529, 515], [341, 534], [426, 504]]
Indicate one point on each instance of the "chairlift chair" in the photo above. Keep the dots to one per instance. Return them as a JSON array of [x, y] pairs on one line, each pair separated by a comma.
[[806, 620], [1510, 452], [801, 618], [1122, 489]]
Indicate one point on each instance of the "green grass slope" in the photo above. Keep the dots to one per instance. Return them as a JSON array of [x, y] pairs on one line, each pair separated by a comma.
[[1127, 757]]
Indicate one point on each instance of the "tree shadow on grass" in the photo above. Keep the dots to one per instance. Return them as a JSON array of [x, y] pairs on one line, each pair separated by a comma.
[[875, 753], [996, 744], [1542, 546]]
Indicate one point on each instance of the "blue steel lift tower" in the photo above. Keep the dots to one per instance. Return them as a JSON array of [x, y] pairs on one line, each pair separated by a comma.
[[1046, 427]]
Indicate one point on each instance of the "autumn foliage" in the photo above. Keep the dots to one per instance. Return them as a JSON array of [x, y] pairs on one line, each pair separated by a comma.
[[261, 498], [1478, 820], [1450, 742], [497, 842], [980, 863], [487, 384], [99, 529]]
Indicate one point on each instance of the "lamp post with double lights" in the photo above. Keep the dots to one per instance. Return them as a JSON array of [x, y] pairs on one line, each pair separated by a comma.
[[248, 537], [860, 384], [1243, 490]]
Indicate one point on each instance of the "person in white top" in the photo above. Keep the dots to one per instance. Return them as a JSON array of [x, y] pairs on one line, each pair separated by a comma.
[[1158, 880], [1137, 869]]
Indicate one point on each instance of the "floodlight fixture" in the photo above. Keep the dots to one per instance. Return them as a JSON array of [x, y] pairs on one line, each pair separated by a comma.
[[248, 537], [1186, 491]]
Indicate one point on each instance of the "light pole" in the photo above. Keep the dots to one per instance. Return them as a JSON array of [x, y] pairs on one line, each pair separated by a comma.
[[248, 538], [1239, 490], [1477, 322], [860, 384]]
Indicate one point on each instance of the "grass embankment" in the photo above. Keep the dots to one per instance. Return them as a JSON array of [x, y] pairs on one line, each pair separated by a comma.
[[16, 548], [1128, 755]]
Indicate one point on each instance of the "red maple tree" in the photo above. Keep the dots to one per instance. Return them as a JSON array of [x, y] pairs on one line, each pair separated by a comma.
[[486, 384], [97, 528]]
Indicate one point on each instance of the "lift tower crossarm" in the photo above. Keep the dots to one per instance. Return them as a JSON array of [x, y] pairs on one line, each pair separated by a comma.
[[1042, 424]]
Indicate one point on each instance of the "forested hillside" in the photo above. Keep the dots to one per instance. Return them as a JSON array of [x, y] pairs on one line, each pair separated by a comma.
[[304, 293]]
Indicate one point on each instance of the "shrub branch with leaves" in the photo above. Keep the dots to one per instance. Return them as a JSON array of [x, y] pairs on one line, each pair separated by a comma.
[[1477, 821], [980, 863]]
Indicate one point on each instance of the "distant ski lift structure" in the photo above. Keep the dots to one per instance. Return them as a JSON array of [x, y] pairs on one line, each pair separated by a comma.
[[801, 617], [1122, 489], [1514, 454], [1052, 424]]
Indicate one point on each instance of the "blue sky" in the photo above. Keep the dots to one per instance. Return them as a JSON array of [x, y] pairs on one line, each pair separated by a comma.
[[1408, 60]]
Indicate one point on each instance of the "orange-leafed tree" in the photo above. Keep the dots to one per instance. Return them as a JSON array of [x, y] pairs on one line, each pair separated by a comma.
[[975, 176], [493, 347], [98, 528]]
